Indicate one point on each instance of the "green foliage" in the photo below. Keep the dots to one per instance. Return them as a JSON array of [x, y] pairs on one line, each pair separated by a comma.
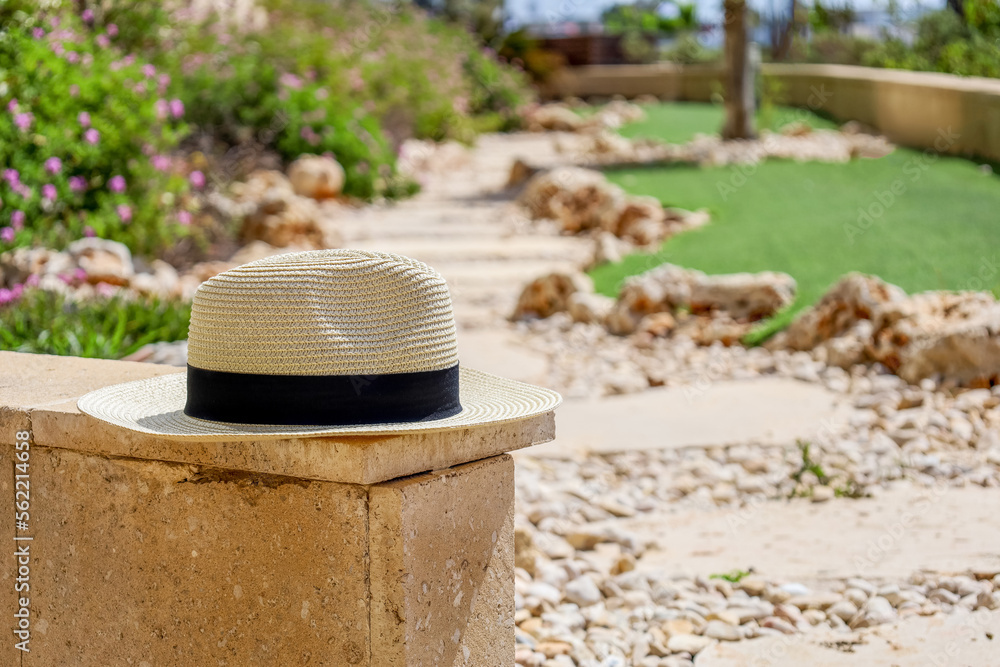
[[46, 323], [641, 24], [687, 50], [733, 577], [523, 50], [944, 42], [82, 128], [808, 465]]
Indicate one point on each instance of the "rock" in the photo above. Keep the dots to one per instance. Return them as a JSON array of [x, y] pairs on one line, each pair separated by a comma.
[[955, 335], [876, 611], [589, 308], [822, 493], [525, 553], [625, 563], [551, 649], [658, 325], [255, 250], [163, 282], [677, 627], [844, 610], [742, 296], [855, 297], [722, 631], [814, 600], [520, 171], [284, 219], [580, 199], [316, 176], [692, 644], [608, 248], [545, 296], [104, 261], [583, 591], [779, 624], [552, 117]]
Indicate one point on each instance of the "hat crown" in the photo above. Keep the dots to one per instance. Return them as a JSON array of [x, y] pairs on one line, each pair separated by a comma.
[[324, 312]]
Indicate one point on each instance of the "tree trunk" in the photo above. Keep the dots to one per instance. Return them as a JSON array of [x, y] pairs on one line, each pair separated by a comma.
[[739, 74]]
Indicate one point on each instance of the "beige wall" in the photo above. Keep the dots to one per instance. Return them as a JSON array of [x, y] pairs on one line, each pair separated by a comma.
[[920, 109]]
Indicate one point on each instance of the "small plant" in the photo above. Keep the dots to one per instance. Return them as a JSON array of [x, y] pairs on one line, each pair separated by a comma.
[[733, 577], [47, 323], [808, 465], [850, 489]]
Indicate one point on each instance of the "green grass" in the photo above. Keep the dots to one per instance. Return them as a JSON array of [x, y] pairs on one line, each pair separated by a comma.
[[678, 122], [46, 323], [941, 232]]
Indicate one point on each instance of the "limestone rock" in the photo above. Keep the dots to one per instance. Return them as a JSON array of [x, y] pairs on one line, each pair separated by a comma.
[[545, 296], [552, 117], [104, 261], [520, 172], [580, 199], [589, 308], [316, 176], [16, 265], [284, 219]]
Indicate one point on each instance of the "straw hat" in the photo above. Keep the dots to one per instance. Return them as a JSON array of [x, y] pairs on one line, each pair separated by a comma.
[[328, 342]]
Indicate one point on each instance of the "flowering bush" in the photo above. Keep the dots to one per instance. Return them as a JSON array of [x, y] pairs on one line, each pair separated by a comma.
[[84, 129]]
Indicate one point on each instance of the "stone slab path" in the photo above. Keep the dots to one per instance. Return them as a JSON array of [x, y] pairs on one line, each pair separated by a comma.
[[766, 410], [961, 640]]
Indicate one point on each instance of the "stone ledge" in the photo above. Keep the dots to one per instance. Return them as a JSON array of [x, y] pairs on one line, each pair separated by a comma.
[[41, 391]]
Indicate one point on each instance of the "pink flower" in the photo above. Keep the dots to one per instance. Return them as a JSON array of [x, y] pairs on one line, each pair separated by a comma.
[[105, 289], [12, 105], [184, 218], [124, 212], [74, 90], [53, 165], [83, 118], [197, 179], [11, 176], [49, 192], [290, 80], [73, 57], [149, 70], [162, 109], [58, 49], [77, 183], [17, 219], [32, 280], [117, 184], [7, 234], [79, 275], [160, 162], [38, 33], [103, 41], [23, 121], [89, 232], [87, 15], [176, 108], [112, 29], [92, 136], [164, 81]]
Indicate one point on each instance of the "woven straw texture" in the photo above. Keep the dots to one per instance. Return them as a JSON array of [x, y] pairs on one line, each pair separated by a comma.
[[326, 312], [156, 406]]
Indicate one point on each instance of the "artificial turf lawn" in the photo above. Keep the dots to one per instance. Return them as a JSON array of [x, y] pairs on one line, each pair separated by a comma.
[[940, 230]]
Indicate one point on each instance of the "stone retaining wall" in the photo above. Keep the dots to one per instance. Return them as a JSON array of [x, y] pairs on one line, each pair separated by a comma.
[[942, 112]]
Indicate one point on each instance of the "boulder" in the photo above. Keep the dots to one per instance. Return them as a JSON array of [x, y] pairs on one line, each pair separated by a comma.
[[103, 261], [18, 264], [520, 172], [283, 219], [608, 249], [545, 296], [316, 176], [580, 199], [952, 335], [589, 308], [742, 297], [854, 297], [553, 118]]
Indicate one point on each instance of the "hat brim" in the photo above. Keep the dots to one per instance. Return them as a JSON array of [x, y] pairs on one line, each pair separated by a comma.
[[156, 406]]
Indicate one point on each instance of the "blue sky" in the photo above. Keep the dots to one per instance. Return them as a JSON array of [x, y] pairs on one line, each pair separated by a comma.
[[537, 11]]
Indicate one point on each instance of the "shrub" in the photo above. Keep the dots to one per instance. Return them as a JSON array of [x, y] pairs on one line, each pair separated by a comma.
[[83, 132], [47, 323]]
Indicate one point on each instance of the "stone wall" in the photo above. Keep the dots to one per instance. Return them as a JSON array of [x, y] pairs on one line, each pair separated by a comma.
[[942, 112]]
